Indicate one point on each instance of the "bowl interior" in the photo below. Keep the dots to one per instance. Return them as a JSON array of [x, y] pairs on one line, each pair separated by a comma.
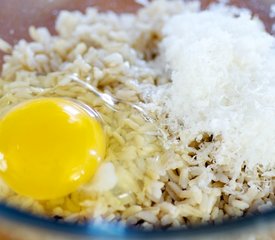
[[18, 16]]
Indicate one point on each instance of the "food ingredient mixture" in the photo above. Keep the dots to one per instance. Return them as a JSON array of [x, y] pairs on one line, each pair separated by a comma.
[[203, 150]]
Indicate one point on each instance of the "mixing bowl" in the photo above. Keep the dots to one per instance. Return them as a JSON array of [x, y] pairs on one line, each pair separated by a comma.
[[15, 17]]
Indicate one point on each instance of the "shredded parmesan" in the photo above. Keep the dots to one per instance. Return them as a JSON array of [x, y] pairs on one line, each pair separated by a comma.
[[223, 83]]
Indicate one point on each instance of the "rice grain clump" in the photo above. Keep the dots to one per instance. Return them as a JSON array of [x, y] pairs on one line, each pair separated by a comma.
[[160, 173]]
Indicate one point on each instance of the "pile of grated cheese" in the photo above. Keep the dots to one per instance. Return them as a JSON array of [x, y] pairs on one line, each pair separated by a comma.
[[223, 83]]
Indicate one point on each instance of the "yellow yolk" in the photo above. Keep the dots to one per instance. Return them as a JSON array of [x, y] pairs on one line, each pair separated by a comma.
[[49, 147]]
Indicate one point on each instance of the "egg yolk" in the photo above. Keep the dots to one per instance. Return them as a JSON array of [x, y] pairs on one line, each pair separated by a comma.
[[49, 147]]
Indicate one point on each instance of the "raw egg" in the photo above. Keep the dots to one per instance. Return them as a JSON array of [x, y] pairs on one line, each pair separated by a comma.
[[49, 147]]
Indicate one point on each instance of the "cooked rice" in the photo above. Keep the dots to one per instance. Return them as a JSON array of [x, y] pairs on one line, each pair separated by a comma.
[[155, 185]]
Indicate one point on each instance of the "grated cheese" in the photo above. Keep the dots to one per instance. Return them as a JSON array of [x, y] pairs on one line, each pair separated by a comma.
[[223, 83]]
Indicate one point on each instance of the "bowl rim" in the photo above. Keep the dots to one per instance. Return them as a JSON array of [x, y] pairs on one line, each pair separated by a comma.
[[118, 230]]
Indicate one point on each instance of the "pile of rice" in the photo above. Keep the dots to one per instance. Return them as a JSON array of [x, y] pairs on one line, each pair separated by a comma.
[[154, 177]]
